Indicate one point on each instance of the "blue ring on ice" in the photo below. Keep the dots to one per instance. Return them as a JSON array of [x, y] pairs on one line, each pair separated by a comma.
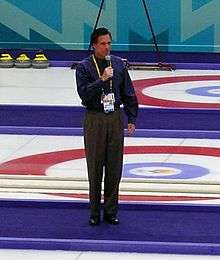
[[205, 91], [163, 170]]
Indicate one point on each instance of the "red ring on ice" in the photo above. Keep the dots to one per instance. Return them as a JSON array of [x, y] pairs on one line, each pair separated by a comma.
[[142, 84], [38, 164]]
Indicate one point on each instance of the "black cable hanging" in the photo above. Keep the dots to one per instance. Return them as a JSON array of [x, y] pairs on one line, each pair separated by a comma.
[[97, 20], [160, 64], [151, 29]]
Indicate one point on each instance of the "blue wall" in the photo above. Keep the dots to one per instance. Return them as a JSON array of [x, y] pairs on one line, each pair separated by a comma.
[[180, 25]]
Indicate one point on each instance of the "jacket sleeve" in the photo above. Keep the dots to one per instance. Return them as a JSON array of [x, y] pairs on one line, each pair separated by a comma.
[[129, 98], [86, 88]]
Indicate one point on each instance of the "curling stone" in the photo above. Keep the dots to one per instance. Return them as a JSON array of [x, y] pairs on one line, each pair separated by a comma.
[[23, 61], [40, 61], [6, 61]]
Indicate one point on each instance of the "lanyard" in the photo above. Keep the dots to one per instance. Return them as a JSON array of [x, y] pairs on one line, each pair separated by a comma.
[[96, 65], [98, 70]]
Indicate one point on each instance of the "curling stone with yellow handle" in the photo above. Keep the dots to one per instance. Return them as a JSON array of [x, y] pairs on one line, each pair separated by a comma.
[[40, 61], [6, 60], [23, 61]]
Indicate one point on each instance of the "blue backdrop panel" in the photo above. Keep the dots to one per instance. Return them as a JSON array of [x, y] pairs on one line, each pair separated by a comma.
[[180, 25]]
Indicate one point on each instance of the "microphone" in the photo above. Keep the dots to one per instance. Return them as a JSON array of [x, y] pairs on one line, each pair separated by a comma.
[[109, 64], [108, 60]]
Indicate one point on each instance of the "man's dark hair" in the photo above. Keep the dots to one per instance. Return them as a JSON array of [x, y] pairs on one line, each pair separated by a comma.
[[99, 32]]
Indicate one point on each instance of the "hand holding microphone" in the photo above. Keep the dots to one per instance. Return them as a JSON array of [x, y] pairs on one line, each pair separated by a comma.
[[108, 72]]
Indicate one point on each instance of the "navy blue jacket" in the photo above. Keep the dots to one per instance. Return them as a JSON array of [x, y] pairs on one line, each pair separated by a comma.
[[89, 87]]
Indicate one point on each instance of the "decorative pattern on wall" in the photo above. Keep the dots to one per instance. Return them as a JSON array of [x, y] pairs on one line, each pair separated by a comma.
[[180, 25]]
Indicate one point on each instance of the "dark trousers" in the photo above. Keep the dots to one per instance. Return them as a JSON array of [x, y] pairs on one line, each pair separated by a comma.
[[104, 137]]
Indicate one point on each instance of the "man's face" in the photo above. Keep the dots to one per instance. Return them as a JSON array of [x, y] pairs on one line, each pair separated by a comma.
[[103, 46]]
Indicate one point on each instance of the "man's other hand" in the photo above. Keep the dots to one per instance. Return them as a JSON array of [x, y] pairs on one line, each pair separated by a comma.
[[131, 129]]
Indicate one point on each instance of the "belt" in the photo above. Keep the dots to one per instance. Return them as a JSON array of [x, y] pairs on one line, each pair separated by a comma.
[[101, 110]]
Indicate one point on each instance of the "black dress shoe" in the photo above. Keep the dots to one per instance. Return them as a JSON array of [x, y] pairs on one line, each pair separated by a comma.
[[94, 221], [111, 219]]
